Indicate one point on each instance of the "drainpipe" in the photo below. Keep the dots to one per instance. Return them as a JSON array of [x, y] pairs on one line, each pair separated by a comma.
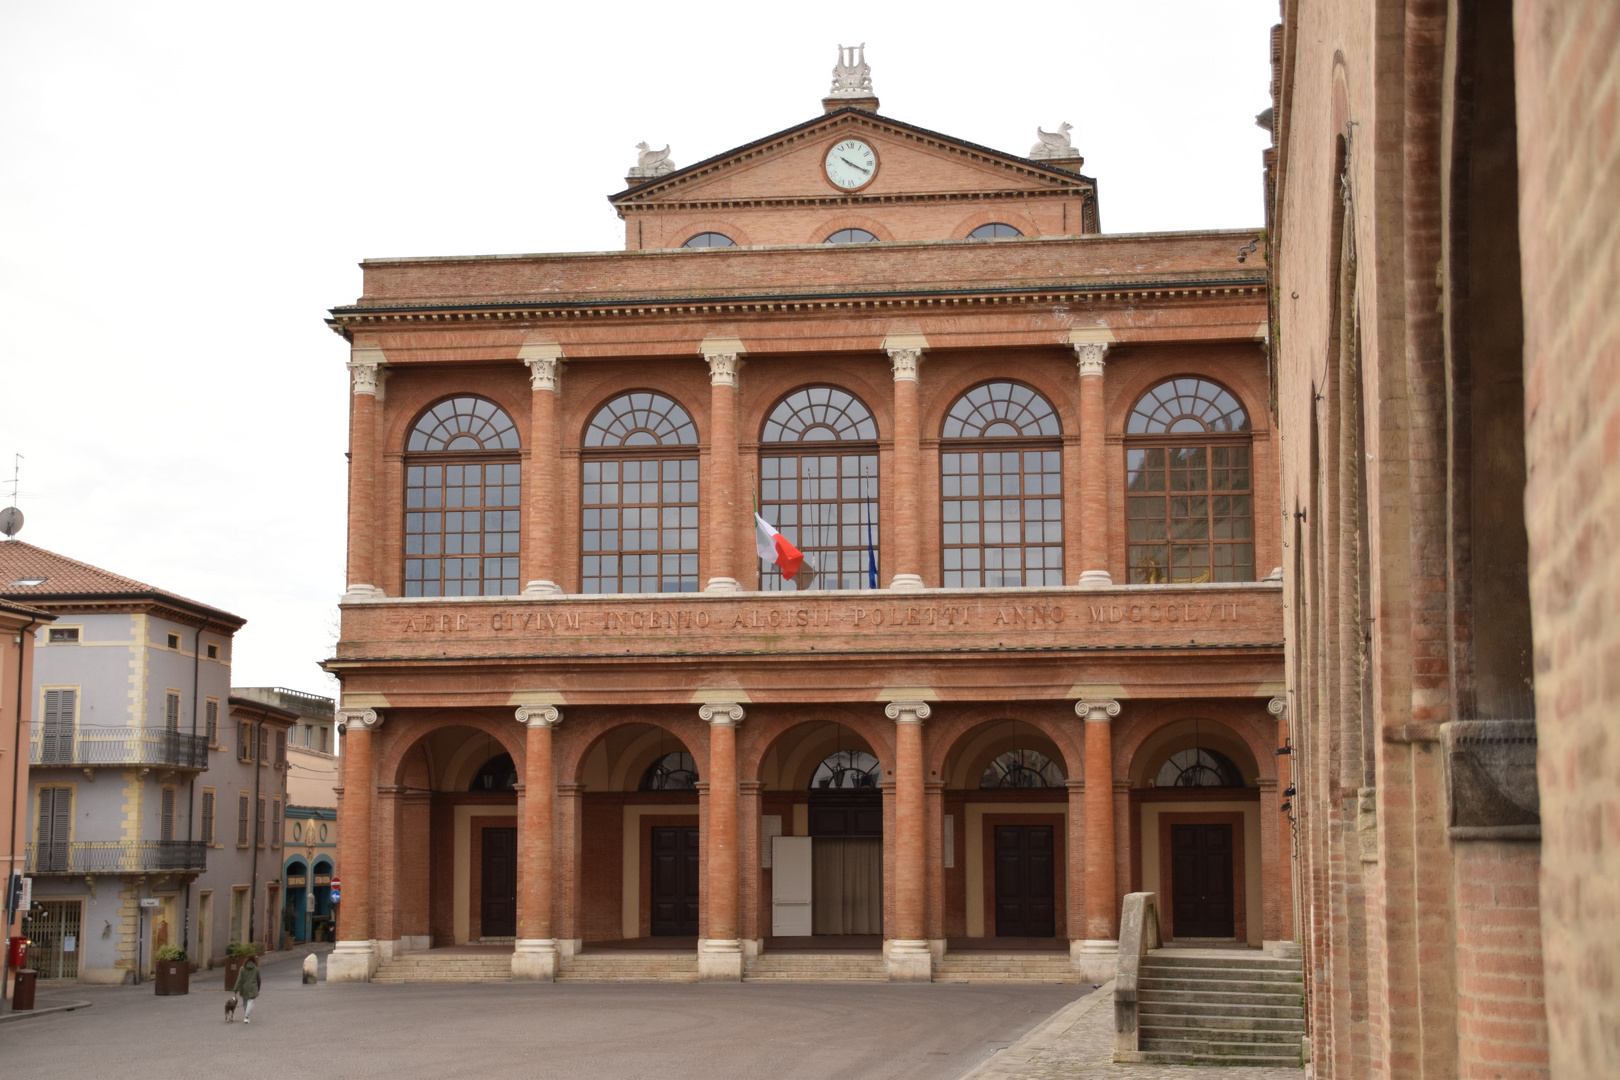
[[11, 832], [253, 890], [191, 789]]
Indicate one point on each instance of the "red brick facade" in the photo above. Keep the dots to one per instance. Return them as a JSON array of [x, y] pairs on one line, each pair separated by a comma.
[[1106, 680]]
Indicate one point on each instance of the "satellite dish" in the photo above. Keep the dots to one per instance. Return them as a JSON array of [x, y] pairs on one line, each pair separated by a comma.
[[11, 521]]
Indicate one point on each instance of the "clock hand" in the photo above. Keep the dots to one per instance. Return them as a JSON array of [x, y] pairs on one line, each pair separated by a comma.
[[851, 164]]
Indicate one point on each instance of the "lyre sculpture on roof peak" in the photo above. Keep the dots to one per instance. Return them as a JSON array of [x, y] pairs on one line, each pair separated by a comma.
[[852, 77], [1054, 144], [650, 162]]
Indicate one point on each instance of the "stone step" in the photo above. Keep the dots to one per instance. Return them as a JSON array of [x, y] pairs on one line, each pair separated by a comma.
[[629, 967], [1156, 1035], [1251, 961], [1172, 1057], [444, 969], [1165, 1021], [1196, 1008], [1206, 974], [1220, 997]]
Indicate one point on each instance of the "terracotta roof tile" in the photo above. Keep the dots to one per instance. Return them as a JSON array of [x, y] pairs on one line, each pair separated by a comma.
[[33, 575]]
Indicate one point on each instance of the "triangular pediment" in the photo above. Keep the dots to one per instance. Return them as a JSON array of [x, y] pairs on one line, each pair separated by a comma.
[[912, 162]]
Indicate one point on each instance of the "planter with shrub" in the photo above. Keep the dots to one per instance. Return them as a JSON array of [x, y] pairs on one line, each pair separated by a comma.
[[173, 971]]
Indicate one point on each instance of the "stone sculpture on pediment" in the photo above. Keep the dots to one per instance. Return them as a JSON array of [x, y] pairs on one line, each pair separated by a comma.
[[650, 162], [852, 76], [1054, 144]]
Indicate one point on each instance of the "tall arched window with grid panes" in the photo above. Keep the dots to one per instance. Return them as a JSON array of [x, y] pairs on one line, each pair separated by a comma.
[[1001, 489], [639, 503], [462, 499], [818, 484], [1189, 485]]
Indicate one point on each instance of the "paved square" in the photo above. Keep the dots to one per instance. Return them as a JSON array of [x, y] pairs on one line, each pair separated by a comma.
[[709, 1031]]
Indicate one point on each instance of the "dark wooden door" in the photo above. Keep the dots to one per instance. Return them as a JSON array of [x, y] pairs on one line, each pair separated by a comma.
[[1201, 880], [499, 906], [674, 881], [1025, 878]]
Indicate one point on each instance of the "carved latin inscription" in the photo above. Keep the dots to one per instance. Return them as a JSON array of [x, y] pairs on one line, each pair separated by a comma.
[[790, 618]]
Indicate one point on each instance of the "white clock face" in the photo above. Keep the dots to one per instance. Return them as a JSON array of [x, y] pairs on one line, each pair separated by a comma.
[[851, 164]]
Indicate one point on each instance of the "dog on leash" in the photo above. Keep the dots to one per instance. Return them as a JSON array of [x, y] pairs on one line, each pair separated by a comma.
[[230, 1008]]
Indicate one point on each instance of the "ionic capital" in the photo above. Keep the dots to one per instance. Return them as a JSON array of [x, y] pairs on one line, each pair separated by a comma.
[[545, 372], [721, 713], [1096, 710], [1089, 355], [907, 712], [1278, 707], [905, 362], [539, 716], [365, 719]]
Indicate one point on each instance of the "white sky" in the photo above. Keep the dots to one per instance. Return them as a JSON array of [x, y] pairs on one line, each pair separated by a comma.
[[186, 188]]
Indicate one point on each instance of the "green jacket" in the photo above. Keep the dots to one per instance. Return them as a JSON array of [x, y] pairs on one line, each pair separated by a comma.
[[247, 980]]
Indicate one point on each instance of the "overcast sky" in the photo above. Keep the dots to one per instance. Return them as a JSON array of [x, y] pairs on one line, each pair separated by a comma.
[[186, 188]]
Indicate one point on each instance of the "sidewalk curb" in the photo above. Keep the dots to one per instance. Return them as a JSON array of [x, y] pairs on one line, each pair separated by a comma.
[[1009, 1063], [25, 1014]]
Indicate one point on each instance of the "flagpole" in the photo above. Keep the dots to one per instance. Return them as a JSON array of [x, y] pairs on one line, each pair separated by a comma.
[[866, 518]]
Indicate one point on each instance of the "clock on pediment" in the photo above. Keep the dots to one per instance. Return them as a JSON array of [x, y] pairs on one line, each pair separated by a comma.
[[850, 164]]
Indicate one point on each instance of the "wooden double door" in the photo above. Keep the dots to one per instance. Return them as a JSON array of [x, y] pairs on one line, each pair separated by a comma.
[[498, 882], [674, 880], [1201, 881], [1026, 881]]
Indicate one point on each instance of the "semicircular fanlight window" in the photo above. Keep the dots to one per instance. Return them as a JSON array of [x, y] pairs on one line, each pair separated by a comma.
[[847, 769], [643, 418], [464, 423], [1190, 405], [1198, 767], [672, 772], [998, 410], [820, 414], [1022, 769]]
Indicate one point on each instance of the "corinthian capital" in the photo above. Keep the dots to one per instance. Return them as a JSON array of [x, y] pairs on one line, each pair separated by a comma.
[[1089, 355], [544, 373], [723, 368], [365, 719], [363, 376], [539, 716], [1096, 710], [905, 363], [721, 713], [907, 712]]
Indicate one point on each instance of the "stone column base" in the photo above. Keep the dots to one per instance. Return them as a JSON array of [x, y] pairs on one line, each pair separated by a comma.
[[720, 960], [909, 961], [535, 960], [722, 585], [907, 583], [1285, 950], [542, 587], [361, 592], [1096, 961], [1096, 579], [352, 961]]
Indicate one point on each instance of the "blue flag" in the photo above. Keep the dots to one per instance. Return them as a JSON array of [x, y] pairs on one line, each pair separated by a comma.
[[871, 552]]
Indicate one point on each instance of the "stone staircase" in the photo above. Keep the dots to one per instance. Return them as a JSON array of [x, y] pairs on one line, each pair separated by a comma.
[[978, 967], [445, 968], [614, 966], [1220, 1007], [816, 967]]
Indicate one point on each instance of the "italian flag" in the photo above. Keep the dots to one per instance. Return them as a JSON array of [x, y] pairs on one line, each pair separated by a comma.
[[774, 548]]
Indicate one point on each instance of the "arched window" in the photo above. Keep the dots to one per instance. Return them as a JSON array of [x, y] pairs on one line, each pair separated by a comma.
[[673, 772], [1190, 493], [1022, 769], [462, 516], [498, 774], [847, 769], [1001, 485], [709, 240], [824, 496], [851, 236], [1198, 767], [996, 230], [639, 522]]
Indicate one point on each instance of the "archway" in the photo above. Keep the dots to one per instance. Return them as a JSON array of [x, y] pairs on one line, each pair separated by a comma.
[[1195, 807], [823, 848], [1006, 836], [641, 853]]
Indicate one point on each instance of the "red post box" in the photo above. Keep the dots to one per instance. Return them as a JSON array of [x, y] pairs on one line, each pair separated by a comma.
[[16, 951]]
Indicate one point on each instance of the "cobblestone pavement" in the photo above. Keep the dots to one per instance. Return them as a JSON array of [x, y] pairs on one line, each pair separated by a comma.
[[792, 1031], [1076, 1043]]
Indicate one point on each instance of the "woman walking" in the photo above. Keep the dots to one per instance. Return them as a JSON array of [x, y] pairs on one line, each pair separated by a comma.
[[247, 987]]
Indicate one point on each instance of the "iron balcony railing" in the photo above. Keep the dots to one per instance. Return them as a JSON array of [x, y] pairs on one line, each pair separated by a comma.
[[120, 746], [117, 857]]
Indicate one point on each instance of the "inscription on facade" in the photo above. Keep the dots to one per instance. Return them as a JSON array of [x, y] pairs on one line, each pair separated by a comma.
[[765, 618]]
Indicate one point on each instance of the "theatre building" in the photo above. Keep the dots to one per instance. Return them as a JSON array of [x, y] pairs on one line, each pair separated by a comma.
[[1029, 663]]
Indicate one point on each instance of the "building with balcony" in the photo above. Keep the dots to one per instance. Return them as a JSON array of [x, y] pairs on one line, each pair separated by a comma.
[[17, 625], [135, 774], [1032, 660], [312, 763]]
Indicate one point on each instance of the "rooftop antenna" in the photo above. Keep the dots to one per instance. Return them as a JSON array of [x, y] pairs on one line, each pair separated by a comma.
[[11, 518]]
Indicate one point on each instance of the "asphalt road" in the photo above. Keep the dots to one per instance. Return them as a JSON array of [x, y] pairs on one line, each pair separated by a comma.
[[673, 1032]]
